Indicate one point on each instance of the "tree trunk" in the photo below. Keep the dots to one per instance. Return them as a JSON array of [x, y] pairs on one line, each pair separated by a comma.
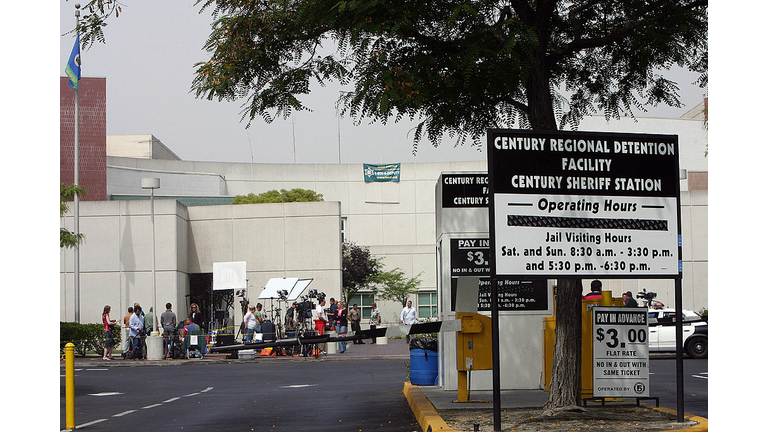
[[565, 386]]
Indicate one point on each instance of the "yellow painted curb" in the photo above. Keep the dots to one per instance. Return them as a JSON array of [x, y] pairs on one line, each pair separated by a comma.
[[429, 419], [425, 412], [703, 425]]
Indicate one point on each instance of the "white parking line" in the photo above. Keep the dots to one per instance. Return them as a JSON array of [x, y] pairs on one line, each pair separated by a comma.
[[207, 389], [105, 394], [90, 423]]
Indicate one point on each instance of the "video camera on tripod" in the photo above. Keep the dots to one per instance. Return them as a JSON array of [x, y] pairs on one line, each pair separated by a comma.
[[306, 306], [243, 301], [648, 299]]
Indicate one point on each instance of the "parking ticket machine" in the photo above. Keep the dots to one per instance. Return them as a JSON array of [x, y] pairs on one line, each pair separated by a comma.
[[473, 349]]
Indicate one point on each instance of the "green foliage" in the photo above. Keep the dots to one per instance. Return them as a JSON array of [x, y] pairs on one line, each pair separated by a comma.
[[359, 269], [85, 337], [68, 239], [93, 18], [393, 285], [455, 66], [273, 196]]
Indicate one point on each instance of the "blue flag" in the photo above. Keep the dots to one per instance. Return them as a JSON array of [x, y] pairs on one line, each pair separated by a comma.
[[73, 65]]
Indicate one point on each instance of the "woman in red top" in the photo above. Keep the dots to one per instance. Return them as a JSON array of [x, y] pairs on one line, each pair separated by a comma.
[[109, 341]]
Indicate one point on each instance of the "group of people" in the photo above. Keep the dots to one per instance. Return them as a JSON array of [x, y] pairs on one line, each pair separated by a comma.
[[597, 292], [252, 321], [141, 324]]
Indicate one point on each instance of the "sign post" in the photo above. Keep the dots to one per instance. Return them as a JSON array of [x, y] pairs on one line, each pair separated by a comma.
[[581, 204]]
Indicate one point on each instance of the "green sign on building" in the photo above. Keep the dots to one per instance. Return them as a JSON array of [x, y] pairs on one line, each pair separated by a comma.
[[381, 173]]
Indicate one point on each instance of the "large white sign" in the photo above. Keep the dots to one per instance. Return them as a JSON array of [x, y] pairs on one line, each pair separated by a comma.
[[620, 352], [584, 204]]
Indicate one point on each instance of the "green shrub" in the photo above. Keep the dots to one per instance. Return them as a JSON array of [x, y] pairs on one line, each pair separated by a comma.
[[85, 337]]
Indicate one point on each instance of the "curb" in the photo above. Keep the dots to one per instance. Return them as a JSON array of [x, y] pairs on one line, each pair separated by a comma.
[[425, 412], [429, 419], [703, 425]]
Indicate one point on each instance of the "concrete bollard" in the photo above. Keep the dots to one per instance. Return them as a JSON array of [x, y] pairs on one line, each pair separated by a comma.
[[331, 347], [154, 347]]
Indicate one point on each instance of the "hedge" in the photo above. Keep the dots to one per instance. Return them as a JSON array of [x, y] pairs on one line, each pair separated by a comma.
[[85, 337]]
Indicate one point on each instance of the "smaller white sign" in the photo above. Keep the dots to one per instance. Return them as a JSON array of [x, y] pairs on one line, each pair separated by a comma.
[[229, 275], [620, 352]]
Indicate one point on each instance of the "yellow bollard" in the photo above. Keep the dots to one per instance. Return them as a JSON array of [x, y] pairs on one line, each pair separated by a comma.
[[69, 387], [606, 299]]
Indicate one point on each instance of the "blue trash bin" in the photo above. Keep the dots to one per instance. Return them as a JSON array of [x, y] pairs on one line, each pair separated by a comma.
[[423, 367]]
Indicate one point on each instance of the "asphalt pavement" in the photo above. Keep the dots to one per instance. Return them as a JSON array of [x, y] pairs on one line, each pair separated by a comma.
[[395, 349]]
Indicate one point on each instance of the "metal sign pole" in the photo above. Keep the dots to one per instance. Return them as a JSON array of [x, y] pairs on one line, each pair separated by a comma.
[[679, 349]]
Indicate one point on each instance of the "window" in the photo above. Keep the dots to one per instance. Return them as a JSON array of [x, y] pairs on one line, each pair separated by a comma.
[[427, 304], [363, 301]]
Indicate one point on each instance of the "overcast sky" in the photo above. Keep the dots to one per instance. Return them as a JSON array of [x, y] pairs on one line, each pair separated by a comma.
[[148, 61]]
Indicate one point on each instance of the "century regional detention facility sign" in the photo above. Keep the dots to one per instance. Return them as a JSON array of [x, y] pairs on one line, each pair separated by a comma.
[[576, 204]]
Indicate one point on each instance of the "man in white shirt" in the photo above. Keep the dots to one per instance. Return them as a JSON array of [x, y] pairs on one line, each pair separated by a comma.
[[408, 317]]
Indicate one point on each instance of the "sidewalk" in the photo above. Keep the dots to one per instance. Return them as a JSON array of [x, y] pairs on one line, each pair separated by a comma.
[[393, 349]]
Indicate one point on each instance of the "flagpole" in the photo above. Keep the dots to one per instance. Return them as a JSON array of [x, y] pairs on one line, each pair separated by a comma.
[[77, 180]]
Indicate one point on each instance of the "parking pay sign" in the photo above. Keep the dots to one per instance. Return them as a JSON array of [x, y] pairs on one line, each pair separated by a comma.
[[620, 352]]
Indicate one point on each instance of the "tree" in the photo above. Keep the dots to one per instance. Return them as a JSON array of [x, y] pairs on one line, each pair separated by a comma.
[[273, 196], [461, 67], [358, 268], [393, 285], [68, 239], [94, 19]]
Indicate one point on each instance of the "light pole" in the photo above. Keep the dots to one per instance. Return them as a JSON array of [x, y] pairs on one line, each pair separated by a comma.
[[153, 183]]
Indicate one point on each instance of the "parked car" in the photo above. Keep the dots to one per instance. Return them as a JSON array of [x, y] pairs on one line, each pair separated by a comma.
[[661, 326]]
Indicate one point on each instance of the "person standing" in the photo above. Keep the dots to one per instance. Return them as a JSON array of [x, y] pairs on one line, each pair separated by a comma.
[[127, 325], [290, 318], [332, 315], [168, 323], [149, 321], [259, 317], [629, 301], [341, 325], [109, 340], [408, 317], [320, 317], [136, 324], [375, 319], [354, 319], [197, 316], [597, 290], [250, 324]]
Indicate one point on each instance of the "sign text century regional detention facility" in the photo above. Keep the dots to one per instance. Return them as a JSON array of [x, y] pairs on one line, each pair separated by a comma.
[[585, 164]]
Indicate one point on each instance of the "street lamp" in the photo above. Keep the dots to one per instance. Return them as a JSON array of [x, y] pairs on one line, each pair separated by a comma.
[[153, 183]]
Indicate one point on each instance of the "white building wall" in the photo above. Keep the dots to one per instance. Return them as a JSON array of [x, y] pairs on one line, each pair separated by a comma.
[[276, 240], [116, 257]]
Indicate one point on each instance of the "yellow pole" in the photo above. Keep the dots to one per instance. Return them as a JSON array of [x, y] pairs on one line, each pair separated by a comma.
[[69, 391]]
